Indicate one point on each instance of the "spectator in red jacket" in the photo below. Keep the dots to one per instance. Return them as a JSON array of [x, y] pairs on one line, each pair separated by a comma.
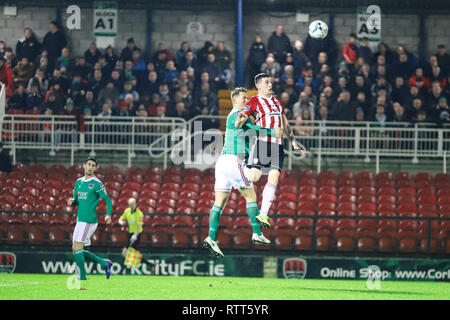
[[6, 76], [350, 51]]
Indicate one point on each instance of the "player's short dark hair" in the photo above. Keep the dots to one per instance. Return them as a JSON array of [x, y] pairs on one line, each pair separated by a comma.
[[91, 159], [260, 76]]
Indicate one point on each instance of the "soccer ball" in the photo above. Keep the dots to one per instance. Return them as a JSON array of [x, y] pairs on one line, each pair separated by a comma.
[[318, 29]]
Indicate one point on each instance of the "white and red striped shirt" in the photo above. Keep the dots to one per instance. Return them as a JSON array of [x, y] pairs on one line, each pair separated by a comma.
[[267, 113]]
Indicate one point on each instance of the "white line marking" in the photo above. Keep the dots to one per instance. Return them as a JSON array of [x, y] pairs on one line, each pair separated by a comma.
[[18, 284]]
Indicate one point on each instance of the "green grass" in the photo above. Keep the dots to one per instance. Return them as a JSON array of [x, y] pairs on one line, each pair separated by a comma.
[[38, 286]]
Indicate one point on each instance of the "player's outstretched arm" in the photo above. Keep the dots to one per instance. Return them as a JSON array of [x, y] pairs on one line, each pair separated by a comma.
[[290, 134]]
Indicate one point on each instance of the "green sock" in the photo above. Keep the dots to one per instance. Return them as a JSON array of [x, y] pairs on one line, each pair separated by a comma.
[[252, 211], [214, 221], [92, 257], [79, 259]]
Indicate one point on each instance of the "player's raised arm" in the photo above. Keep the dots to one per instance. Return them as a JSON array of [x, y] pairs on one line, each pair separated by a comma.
[[290, 134], [241, 119]]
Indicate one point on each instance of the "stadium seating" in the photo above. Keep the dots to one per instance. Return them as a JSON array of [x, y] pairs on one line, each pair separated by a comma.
[[29, 195]]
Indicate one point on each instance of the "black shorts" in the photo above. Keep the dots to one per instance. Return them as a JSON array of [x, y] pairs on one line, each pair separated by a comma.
[[136, 243], [266, 155]]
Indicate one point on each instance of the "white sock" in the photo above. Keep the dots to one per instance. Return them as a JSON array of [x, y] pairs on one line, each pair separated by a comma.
[[268, 197]]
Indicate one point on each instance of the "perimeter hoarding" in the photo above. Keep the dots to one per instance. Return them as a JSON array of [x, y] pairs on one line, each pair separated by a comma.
[[292, 267]]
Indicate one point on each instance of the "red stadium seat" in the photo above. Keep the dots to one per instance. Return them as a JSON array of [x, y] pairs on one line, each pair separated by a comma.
[[407, 241], [11, 190], [56, 184], [366, 184], [36, 184], [8, 198], [153, 178], [367, 191], [288, 189], [172, 186], [132, 186], [364, 175], [191, 187], [387, 199]]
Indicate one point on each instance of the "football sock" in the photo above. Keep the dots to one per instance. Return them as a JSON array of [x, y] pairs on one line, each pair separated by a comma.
[[79, 259], [92, 257], [268, 197], [252, 211], [214, 221]]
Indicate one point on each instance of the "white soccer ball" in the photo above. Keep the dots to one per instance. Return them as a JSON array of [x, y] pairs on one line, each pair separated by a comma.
[[318, 29]]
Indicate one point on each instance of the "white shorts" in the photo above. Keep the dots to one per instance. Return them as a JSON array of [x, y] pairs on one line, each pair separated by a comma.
[[83, 232], [231, 173]]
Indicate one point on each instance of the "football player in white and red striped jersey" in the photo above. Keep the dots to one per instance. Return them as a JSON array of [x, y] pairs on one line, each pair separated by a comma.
[[267, 153]]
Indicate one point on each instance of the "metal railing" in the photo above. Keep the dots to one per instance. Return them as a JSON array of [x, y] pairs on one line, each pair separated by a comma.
[[158, 136], [54, 133]]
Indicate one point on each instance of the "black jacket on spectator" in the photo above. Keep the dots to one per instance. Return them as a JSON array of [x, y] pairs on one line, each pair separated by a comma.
[[53, 43], [313, 47], [344, 111], [90, 58], [17, 101], [400, 94], [28, 48], [5, 160], [279, 46]]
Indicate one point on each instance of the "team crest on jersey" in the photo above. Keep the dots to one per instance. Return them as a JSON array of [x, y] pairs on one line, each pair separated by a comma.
[[91, 186]]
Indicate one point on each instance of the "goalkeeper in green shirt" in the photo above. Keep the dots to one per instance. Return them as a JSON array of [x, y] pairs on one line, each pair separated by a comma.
[[86, 194], [230, 170]]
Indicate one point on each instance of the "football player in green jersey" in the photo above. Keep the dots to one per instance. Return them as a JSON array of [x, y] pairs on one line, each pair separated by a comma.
[[231, 173], [86, 194]]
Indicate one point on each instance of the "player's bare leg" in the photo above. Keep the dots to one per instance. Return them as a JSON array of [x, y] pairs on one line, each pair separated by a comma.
[[254, 175], [252, 210], [210, 242], [268, 197]]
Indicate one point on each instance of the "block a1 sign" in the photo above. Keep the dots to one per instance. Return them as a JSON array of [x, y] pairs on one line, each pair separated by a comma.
[[105, 18]]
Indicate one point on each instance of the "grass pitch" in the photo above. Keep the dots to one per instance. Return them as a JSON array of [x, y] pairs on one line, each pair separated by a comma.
[[54, 287]]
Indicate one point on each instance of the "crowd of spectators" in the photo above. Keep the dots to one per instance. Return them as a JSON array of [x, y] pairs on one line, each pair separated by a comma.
[[312, 78], [45, 78], [385, 85]]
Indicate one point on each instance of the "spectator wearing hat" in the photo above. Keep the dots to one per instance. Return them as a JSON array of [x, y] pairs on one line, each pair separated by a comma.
[[127, 52], [440, 112], [6, 76], [53, 43], [5, 160]]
